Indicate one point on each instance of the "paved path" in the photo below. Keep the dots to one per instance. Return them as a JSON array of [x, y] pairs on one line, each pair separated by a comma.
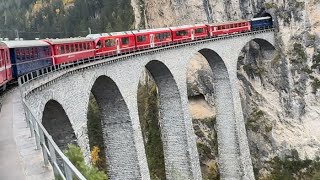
[[19, 159]]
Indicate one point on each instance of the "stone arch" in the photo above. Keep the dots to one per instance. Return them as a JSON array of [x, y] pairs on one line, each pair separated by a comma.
[[228, 151], [58, 125], [257, 59], [171, 120], [117, 130], [254, 50]]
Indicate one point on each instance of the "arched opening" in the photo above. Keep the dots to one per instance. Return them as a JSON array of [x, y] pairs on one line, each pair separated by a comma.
[[58, 125], [95, 135], [171, 122], [148, 108], [117, 130], [260, 70], [203, 113], [216, 94]]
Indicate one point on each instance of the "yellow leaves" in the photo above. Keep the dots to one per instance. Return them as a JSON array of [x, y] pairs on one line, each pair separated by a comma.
[[37, 6], [68, 2], [95, 156]]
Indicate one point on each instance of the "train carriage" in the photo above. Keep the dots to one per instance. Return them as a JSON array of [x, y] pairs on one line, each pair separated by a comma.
[[189, 33], [5, 66], [228, 28], [261, 23], [71, 49], [149, 38], [114, 43], [28, 55]]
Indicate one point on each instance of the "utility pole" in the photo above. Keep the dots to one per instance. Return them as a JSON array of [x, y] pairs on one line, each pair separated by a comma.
[[17, 33], [5, 17]]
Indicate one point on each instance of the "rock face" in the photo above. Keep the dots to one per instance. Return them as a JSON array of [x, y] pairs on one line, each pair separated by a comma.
[[280, 95]]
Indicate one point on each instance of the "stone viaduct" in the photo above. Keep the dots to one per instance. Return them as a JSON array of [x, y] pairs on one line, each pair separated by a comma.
[[114, 83]]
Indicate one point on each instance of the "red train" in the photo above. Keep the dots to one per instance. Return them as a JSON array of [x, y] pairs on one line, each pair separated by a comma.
[[21, 57]]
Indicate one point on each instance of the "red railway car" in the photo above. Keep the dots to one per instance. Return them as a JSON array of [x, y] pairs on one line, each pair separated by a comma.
[[149, 38], [189, 32], [5, 66], [71, 49], [114, 43], [228, 28]]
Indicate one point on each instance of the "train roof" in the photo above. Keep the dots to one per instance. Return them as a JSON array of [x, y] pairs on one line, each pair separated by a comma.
[[150, 30], [230, 22], [68, 40], [24, 43], [260, 18], [186, 26], [110, 34]]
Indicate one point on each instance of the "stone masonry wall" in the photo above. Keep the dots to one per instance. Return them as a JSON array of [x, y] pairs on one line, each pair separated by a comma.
[[72, 91]]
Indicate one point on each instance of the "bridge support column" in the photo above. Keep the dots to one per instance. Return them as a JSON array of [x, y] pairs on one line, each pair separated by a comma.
[[245, 157]]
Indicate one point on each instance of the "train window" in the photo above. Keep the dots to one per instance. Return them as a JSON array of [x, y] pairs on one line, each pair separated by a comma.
[[62, 49], [160, 36], [125, 40], [48, 52], [199, 30], [80, 47], [76, 47], [72, 47], [18, 54], [6, 57], [98, 46], [181, 33], [31, 53], [67, 49], [110, 42], [26, 51], [35, 53], [142, 38], [168, 35]]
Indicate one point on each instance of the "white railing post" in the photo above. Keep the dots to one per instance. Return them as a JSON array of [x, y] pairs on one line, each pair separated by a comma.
[[44, 150], [53, 158]]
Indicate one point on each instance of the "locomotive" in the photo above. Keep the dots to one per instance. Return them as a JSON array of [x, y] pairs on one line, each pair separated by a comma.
[[21, 57]]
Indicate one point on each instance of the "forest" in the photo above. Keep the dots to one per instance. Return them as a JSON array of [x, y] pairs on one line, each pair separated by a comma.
[[31, 19]]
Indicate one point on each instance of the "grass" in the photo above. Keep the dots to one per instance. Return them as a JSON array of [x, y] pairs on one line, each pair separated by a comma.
[[315, 85], [270, 5], [252, 122]]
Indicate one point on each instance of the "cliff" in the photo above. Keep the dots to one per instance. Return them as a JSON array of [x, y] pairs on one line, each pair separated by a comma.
[[280, 95]]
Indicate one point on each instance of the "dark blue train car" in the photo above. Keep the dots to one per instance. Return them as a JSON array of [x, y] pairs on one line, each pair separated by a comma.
[[261, 23], [29, 55]]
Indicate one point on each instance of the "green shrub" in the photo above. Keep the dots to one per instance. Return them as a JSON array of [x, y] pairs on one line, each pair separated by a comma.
[[315, 85], [292, 167], [276, 60], [149, 119], [76, 157], [298, 49], [270, 5]]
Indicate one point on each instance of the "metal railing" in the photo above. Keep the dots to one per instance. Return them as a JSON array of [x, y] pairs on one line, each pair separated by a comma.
[[111, 57], [50, 151], [66, 170]]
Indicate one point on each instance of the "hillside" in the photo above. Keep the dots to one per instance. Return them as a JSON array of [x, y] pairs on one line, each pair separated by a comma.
[[63, 18]]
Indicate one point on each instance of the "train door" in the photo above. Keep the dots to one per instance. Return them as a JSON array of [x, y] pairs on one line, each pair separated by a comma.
[[118, 46], [152, 40], [192, 34], [2, 67]]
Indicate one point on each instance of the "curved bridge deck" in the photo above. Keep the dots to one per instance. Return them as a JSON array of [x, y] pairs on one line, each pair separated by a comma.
[[18, 155]]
